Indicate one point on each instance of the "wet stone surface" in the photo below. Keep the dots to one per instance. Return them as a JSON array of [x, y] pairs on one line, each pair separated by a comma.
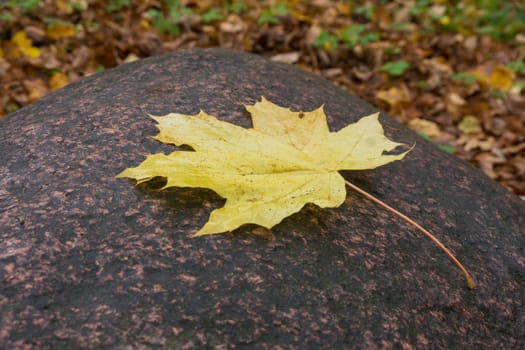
[[90, 261]]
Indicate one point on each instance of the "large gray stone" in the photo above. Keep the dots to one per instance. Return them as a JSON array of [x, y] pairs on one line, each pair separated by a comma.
[[90, 261]]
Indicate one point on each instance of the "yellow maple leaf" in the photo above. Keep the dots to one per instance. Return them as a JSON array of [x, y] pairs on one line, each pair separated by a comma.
[[25, 45], [270, 171]]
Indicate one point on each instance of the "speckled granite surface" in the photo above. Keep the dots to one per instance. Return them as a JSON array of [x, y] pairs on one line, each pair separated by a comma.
[[90, 261]]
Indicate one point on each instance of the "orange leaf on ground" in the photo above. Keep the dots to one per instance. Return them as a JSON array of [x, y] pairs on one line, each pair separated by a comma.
[[58, 31]]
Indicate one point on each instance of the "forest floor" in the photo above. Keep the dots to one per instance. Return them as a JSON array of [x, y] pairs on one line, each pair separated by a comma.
[[455, 73]]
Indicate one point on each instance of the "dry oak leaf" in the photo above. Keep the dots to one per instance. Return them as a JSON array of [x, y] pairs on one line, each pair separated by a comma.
[[270, 171]]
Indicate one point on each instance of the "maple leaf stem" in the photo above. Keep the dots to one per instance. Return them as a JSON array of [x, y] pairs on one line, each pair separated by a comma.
[[470, 281]]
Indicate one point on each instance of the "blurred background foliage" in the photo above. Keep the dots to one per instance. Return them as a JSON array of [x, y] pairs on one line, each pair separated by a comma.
[[454, 71]]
